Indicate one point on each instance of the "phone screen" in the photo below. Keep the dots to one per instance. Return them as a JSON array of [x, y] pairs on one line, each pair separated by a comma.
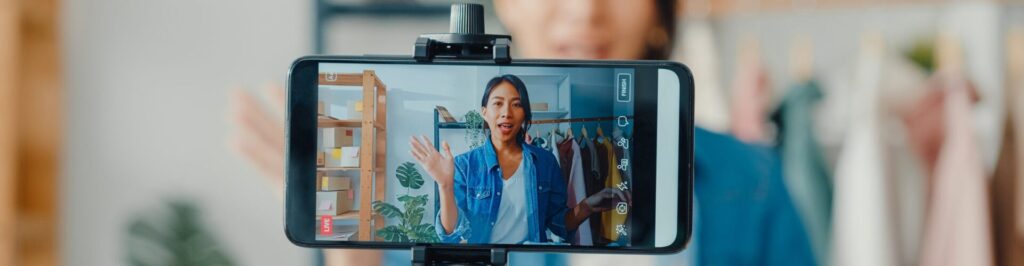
[[496, 155]]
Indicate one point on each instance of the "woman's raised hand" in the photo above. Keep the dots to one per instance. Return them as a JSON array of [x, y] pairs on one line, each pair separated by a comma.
[[440, 166], [602, 200]]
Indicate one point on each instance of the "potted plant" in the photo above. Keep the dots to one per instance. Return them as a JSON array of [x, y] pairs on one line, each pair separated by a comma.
[[410, 227], [475, 134]]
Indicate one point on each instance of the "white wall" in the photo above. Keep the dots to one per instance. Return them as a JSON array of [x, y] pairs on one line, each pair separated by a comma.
[[147, 85]]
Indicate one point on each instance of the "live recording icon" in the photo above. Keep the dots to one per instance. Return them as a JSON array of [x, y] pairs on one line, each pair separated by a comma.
[[326, 225], [624, 87]]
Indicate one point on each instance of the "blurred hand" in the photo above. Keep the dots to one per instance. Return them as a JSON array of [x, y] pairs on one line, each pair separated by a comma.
[[440, 167], [602, 200], [259, 134], [259, 137]]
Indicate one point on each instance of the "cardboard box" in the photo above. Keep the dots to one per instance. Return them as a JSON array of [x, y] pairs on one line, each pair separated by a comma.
[[334, 183], [320, 108], [333, 157], [350, 156], [321, 159], [334, 202], [338, 137], [319, 174], [343, 157], [355, 109], [539, 107]]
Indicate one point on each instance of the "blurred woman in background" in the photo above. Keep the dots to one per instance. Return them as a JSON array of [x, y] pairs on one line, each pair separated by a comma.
[[744, 215]]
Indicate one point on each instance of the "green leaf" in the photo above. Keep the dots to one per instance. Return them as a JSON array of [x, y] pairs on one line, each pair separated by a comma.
[[173, 235], [413, 200], [425, 233], [408, 176], [392, 233], [387, 210], [475, 133], [414, 215]]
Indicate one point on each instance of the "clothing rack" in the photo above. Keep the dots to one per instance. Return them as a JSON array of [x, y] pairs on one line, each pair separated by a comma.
[[438, 124], [573, 120]]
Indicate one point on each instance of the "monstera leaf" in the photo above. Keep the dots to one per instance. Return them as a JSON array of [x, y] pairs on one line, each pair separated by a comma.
[[410, 227], [408, 177], [393, 233], [387, 210], [425, 233]]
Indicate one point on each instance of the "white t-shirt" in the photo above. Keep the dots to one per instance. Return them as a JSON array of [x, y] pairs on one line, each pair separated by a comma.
[[511, 224]]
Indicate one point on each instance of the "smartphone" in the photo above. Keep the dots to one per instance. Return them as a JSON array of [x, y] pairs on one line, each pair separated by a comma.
[[533, 155]]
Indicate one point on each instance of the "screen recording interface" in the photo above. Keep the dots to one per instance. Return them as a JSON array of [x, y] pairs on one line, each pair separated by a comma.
[[474, 154]]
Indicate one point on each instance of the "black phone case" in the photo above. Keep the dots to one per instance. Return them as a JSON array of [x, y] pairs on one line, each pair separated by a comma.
[[299, 202]]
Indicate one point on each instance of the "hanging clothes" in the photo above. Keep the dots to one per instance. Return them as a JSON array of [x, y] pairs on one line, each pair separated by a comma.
[[806, 172], [750, 96], [901, 85], [553, 146], [566, 155], [925, 127], [612, 218], [862, 232], [592, 183], [1008, 182], [746, 215], [1006, 193], [958, 227], [699, 52], [577, 189]]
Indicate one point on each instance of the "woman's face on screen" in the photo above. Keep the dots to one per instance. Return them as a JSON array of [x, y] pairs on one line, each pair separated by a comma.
[[504, 113]]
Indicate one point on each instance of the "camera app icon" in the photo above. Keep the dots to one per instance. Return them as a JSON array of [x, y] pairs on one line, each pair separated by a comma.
[[621, 208]]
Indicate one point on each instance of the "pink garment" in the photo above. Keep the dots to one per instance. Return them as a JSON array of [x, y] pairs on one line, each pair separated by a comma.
[[926, 125], [577, 190], [958, 228], [750, 100]]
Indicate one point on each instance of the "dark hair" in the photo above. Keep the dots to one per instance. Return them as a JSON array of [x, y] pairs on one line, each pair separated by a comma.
[[524, 100], [666, 11]]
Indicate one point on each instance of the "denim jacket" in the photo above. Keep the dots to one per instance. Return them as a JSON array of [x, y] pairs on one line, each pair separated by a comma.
[[478, 185]]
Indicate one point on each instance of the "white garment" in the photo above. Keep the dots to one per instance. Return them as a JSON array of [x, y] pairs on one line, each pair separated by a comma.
[[862, 233], [579, 189], [554, 148], [710, 109], [510, 227]]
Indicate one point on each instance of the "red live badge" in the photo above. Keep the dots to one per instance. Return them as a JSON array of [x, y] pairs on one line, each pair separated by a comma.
[[326, 223]]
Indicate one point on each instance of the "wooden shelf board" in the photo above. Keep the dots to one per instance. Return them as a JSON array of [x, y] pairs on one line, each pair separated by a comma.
[[337, 168], [323, 122], [340, 79], [328, 122], [349, 215]]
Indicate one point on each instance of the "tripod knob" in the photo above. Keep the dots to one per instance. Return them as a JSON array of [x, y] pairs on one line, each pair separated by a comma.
[[467, 19]]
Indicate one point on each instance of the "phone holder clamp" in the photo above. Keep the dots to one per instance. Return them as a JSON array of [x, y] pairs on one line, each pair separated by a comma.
[[432, 255], [466, 39]]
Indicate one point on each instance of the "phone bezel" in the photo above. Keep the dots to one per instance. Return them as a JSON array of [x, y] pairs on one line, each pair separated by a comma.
[[298, 194]]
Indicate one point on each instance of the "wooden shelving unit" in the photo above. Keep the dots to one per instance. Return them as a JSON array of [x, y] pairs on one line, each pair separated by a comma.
[[372, 146]]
